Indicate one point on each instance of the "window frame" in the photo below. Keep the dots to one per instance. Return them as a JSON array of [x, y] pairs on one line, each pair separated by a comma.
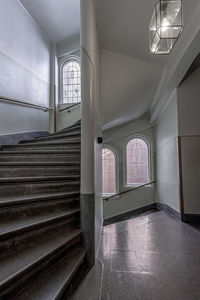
[[64, 61], [150, 169], [116, 169]]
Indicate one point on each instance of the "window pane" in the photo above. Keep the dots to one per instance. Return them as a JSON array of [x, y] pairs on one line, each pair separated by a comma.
[[137, 159], [109, 183], [71, 82]]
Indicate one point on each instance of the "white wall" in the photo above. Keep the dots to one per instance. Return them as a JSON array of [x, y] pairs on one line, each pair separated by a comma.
[[116, 138], [167, 155], [66, 119], [189, 129], [25, 69]]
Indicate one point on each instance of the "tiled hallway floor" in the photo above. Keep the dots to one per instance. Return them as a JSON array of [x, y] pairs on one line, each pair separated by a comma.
[[151, 257]]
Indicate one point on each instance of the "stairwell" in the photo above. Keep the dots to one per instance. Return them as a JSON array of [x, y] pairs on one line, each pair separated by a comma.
[[41, 253]]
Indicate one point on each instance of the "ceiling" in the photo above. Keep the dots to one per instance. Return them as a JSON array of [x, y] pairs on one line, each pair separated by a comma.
[[128, 86], [123, 31], [59, 19]]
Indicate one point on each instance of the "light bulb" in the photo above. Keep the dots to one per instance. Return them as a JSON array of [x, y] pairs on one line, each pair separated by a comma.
[[165, 25]]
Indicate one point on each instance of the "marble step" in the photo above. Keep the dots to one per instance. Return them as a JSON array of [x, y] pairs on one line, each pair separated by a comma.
[[35, 185], [18, 233], [57, 280], [18, 269], [40, 155], [29, 205], [27, 171]]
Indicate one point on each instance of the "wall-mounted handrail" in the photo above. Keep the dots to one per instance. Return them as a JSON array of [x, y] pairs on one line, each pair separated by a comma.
[[23, 103], [68, 107], [129, 190]]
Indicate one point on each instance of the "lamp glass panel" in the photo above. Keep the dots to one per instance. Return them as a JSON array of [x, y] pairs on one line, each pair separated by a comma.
[[155, 42], [165, 46]]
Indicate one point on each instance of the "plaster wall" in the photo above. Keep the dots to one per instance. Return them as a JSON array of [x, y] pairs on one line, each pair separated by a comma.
[[25, 69], [116, 138], [167, 155]]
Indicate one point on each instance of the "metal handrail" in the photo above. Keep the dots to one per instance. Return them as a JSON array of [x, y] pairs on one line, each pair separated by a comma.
[[23, 103], [129, 190], [68, 107]]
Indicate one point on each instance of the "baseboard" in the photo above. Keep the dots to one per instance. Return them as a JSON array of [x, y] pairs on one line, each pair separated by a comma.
[[187, 218], [191, 218], [129, 214], [168, 209], [12, 139]]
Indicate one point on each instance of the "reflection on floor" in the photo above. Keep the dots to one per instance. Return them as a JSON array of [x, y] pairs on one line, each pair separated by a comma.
[[151, 257]]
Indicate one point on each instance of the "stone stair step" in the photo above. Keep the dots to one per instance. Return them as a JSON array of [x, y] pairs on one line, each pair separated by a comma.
[[40, 164], [16, 227], [40, 155], [57, 280], [37, 178], [27, 199], [70, 141], [37, 185], [38, 171], [60, 146], [70, 134], [30, 205], [24, 264], [45, 224]]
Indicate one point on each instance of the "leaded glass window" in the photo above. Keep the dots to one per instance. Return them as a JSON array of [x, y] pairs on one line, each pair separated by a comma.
[[137, 162], [109, 173], [71, 82]]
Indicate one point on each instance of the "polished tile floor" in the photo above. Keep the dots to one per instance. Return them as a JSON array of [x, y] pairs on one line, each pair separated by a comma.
[[153, 256]]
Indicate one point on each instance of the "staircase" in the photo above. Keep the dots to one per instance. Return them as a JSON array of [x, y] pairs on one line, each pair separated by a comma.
[[41, 254]]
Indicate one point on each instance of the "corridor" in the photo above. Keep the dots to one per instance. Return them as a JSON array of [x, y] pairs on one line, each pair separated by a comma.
[[151, 257]]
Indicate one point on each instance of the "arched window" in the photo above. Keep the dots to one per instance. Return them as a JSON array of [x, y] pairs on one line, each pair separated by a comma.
[[137, 162], [109, 172], [71, 81]]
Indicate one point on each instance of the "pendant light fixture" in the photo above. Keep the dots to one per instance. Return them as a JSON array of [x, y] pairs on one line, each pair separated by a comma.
[[166, 26]]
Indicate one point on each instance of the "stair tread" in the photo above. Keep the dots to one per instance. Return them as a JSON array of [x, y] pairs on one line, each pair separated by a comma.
[[52, 141], [12, 265], [41, 152], [44, 144], [43, 164], [37, 178], [12, 200], [12, 226], [55, 279]]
